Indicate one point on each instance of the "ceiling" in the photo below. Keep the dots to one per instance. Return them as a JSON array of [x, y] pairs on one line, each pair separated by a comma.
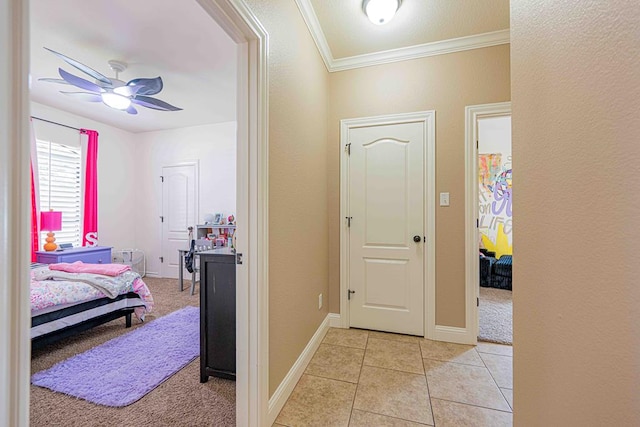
[[347, 39], [176, 40]]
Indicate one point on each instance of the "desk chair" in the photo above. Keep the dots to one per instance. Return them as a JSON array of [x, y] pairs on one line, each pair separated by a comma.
[[201, 245]]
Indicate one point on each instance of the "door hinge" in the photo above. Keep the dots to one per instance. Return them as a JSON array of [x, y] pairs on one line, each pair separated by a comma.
[[477, 302], [161, 259], [348, 149], [349, 218], [161, 219], [349, 292], [238, 258], [161, 178], [477, 223], [477, 144]]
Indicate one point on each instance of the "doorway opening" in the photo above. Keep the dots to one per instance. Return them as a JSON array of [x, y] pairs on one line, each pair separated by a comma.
[[489, 222], [252, 209]]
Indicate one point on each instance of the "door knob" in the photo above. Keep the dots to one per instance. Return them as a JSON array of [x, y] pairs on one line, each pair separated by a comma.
[[417, 239]]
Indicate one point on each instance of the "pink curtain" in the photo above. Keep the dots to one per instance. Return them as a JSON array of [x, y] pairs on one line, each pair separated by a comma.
[[35, 241], [90, 225], [35, 214]]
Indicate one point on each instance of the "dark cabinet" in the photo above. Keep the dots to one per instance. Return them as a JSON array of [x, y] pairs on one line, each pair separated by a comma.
[[217, 314]]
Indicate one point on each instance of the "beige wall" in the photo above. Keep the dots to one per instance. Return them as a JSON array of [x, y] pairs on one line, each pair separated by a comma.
[[298, 233], [446, 84], [576, 121]]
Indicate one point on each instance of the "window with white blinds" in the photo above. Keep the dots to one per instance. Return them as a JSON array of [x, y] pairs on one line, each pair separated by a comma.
[[59, 170]]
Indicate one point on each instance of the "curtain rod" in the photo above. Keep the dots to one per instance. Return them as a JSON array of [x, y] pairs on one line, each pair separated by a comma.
[[54, 123]]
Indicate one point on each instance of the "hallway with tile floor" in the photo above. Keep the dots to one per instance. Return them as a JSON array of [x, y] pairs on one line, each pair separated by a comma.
[[366, 378]]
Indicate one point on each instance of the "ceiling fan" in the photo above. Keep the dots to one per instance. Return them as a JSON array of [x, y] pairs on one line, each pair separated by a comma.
[[114, 93]]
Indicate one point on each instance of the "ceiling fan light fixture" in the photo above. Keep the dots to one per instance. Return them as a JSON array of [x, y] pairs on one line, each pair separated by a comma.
[[113, 100], [114, 93], [380, 12]]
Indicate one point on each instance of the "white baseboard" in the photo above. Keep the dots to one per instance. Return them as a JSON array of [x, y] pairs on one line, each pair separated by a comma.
[[334, 320], [454, 335], [282, 393]]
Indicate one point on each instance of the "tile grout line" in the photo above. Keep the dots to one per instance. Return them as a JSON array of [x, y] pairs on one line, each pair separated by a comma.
[[394, 370], [496, 382], [451, 361], [359, 375], [395, 418], [470, 404], [426, 379], [327, 378], [475, 406], [505, 397]]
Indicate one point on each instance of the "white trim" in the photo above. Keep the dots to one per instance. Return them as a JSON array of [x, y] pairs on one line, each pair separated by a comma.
[[289, 382], [429, 120], [15, 348], [252, 302], [441, 47], [334, 320], [452, 334], [472, 114]]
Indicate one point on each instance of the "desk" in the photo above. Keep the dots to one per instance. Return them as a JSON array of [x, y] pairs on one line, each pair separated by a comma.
[[181, 255]]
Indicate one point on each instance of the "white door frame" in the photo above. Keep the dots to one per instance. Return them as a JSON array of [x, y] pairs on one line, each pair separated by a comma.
[[472, 261], [252, 388], [428, 118]]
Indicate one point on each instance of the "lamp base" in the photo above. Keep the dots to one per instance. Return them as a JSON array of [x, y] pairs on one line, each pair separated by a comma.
[[50, 245]]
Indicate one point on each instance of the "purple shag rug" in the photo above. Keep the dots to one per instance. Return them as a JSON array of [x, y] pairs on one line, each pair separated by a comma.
[[124, 369]]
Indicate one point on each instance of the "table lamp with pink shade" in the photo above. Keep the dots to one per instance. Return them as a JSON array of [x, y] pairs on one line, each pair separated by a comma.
[[50, 221]]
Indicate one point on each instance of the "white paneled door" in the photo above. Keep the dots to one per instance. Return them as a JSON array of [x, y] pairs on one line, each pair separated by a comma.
[[387, 227], [178, 213]]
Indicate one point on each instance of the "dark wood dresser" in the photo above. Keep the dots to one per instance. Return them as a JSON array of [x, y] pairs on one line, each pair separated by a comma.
[[217, 314]]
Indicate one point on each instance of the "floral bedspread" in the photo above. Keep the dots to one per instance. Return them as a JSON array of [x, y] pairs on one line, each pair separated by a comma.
[[49, 293]]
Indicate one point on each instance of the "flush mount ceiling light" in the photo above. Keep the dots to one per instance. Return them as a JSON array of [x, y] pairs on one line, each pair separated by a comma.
[[380, 11], [114, 92]]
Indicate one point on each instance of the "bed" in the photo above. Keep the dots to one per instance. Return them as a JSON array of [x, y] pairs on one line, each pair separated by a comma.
[[67, 299]]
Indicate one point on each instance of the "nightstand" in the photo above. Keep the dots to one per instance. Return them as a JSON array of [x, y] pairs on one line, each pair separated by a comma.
[[86, 254]]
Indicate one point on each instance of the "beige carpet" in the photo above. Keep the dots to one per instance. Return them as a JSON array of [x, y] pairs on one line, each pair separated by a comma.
[[496, 316], [179, 401]]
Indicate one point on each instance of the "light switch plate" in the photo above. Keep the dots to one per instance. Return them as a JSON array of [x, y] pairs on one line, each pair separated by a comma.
[[444, 199]]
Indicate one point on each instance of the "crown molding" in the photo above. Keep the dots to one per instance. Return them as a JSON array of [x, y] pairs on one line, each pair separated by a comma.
[[441, 47], [310, 18]]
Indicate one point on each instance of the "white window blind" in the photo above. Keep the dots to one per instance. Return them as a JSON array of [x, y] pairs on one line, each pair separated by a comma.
[[59, 170]]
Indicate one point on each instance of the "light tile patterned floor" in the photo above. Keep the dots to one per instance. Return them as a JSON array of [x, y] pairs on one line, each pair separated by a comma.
[[366, 378]]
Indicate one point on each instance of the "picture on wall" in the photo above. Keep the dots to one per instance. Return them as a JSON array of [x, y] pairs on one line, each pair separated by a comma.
[[495, 211]]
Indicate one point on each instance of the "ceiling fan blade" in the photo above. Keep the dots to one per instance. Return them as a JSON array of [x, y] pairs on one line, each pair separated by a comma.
[[48, 80], [90, 71], [84, 96], [147, 86], [79, 82], [153, 103], [131, 110]]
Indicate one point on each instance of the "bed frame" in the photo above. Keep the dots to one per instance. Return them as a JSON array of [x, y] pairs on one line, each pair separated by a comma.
[[51, 337]]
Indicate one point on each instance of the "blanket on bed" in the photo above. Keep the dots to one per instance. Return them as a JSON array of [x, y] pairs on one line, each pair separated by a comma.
[[81, 267], [50, 293], [111, 286]]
